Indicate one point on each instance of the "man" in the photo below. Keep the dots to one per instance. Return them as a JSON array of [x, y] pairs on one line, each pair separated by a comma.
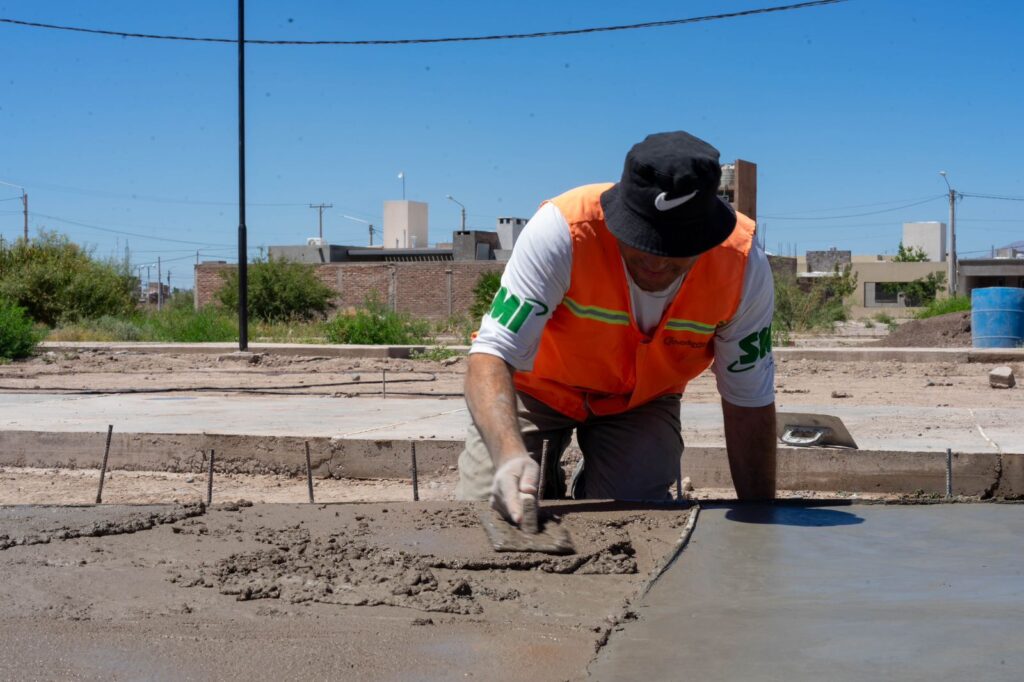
[[614, 298]]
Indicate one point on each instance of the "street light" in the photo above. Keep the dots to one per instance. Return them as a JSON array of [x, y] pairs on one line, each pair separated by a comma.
[[451, 198], [953, 274], [364, 222]]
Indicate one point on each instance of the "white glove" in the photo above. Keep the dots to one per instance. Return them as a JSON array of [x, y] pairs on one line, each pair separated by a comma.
[[515, 478]]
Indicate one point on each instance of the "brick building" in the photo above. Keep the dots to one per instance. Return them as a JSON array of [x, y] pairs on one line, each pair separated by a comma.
[[427, 289]]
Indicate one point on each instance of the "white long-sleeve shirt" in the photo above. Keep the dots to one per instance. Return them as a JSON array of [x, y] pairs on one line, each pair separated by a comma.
[[540, 269]]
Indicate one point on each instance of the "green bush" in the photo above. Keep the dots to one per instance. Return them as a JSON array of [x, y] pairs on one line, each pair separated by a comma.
[[816, 308], [375, 324], [55, 281], [18, 338], [279, 291], [183, 324], [944, 306], [487, 285]]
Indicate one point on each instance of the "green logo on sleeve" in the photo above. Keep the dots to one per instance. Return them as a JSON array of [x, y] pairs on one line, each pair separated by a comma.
[[754, 347], [510, 312]]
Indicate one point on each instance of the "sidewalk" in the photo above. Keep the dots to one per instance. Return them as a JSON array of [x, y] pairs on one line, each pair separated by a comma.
[[901, 450]]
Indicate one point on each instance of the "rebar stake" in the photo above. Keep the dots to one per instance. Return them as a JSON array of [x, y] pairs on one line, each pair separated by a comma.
[[209, 483], [309, 474], [384, 382], [543, 470], [415, 476], [949, 473], [103, 467]]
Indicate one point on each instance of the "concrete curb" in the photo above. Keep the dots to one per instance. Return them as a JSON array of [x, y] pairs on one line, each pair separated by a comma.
[[985, 474], [844, 354]]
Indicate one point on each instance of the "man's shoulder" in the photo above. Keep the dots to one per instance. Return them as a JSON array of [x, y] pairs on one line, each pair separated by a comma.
[[582, 203]]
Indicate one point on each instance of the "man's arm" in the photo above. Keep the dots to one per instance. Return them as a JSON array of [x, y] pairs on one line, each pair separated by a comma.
[[491, 397], [750, 442]]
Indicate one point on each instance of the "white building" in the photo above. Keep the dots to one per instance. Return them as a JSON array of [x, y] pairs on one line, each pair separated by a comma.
[[928, 236], [405, 225]]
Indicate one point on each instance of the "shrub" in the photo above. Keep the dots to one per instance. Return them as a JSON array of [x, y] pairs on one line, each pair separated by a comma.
[[183, 324], [487, 285], [375, 324], [279, 291], [818, 307], [18, 338], [55, 280], [943, 306]]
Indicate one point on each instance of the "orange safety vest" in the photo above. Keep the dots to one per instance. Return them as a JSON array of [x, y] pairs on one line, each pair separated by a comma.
[[592, 358]]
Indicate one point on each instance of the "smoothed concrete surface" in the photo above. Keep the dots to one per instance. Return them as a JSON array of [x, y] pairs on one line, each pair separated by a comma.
[[793, 593], [901, 450]]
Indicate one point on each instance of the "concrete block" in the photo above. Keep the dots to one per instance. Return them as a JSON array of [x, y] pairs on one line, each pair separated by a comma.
[[1001, 377]]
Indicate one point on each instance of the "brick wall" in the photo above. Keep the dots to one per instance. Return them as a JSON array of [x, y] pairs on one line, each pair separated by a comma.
[[418, 288]]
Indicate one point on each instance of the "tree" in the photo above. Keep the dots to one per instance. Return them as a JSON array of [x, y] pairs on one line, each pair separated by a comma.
[[279, 291], [922, 290], [55, 280], [913, 254]]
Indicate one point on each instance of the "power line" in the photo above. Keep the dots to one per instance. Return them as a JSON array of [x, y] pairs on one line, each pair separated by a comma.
[[130, 234], [856, 215], [990, 196], [849, 206], [425, 41]]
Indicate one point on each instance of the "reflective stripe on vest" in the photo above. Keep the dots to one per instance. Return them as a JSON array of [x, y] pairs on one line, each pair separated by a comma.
[[592, 357]]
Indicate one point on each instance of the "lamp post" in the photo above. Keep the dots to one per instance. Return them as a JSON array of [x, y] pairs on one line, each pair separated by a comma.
[[463, 207], [364, 222], [953, 271], [401, 176]]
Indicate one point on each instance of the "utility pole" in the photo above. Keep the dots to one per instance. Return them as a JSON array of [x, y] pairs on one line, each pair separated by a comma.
[[320, 208], [159, 286], [24, 203], [953, 274], [243, 261]]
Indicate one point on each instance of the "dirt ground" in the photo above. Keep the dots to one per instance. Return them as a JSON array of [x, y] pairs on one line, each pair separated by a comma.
[[797, 381], [943, 331]]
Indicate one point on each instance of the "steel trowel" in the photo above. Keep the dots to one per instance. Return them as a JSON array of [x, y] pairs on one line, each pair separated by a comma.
[[537, 532]]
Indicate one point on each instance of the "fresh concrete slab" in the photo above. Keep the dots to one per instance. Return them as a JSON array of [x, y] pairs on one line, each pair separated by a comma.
[[855, 592]]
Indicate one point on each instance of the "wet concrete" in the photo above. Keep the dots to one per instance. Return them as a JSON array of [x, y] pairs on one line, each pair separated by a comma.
[[354, 591], [839, 593]]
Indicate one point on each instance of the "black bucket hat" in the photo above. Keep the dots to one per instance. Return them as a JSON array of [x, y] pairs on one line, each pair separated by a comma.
[[667, 202]]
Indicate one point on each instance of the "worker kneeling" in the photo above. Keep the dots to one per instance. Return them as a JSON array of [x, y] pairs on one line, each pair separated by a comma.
[[615, 297]]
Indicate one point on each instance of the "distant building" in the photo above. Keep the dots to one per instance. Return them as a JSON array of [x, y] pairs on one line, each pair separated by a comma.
[[929, 237], [405, 224]]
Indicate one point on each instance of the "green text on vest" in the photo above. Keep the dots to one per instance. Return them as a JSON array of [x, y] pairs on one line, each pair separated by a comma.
[[511, 312], [754, 347]]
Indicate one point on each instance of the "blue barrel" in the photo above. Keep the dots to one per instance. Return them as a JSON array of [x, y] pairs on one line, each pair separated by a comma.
[[997, 317]]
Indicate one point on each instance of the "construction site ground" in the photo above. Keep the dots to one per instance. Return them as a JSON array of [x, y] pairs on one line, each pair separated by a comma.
[[367, 584]]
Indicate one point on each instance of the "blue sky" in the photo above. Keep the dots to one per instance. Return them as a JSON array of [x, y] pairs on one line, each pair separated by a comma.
[[847, 109]]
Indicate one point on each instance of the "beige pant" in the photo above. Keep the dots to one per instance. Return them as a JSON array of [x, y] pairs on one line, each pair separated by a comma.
[[630, 456]]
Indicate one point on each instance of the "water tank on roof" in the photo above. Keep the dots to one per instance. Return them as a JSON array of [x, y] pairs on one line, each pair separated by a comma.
[[315, 241]]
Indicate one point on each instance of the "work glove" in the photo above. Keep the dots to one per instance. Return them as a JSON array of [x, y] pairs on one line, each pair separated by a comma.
[[515, 479]]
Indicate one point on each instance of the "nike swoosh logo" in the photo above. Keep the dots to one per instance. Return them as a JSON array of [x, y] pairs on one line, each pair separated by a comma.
[[663, 203]]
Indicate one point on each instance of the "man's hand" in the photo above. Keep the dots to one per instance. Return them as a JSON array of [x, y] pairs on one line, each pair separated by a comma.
[[514, 479]]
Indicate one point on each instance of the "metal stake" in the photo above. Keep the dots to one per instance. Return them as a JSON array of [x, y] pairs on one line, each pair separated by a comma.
[[103, 467], [543, 470], [415, 476], [209, 482], [309, 474], [949, 473], [384, 382]]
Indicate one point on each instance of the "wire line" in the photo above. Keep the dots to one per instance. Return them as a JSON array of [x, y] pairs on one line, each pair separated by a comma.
[[426, 41], [856, 215]]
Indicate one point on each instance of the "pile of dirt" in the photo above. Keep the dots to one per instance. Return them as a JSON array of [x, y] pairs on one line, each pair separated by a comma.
[[952, 330]]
